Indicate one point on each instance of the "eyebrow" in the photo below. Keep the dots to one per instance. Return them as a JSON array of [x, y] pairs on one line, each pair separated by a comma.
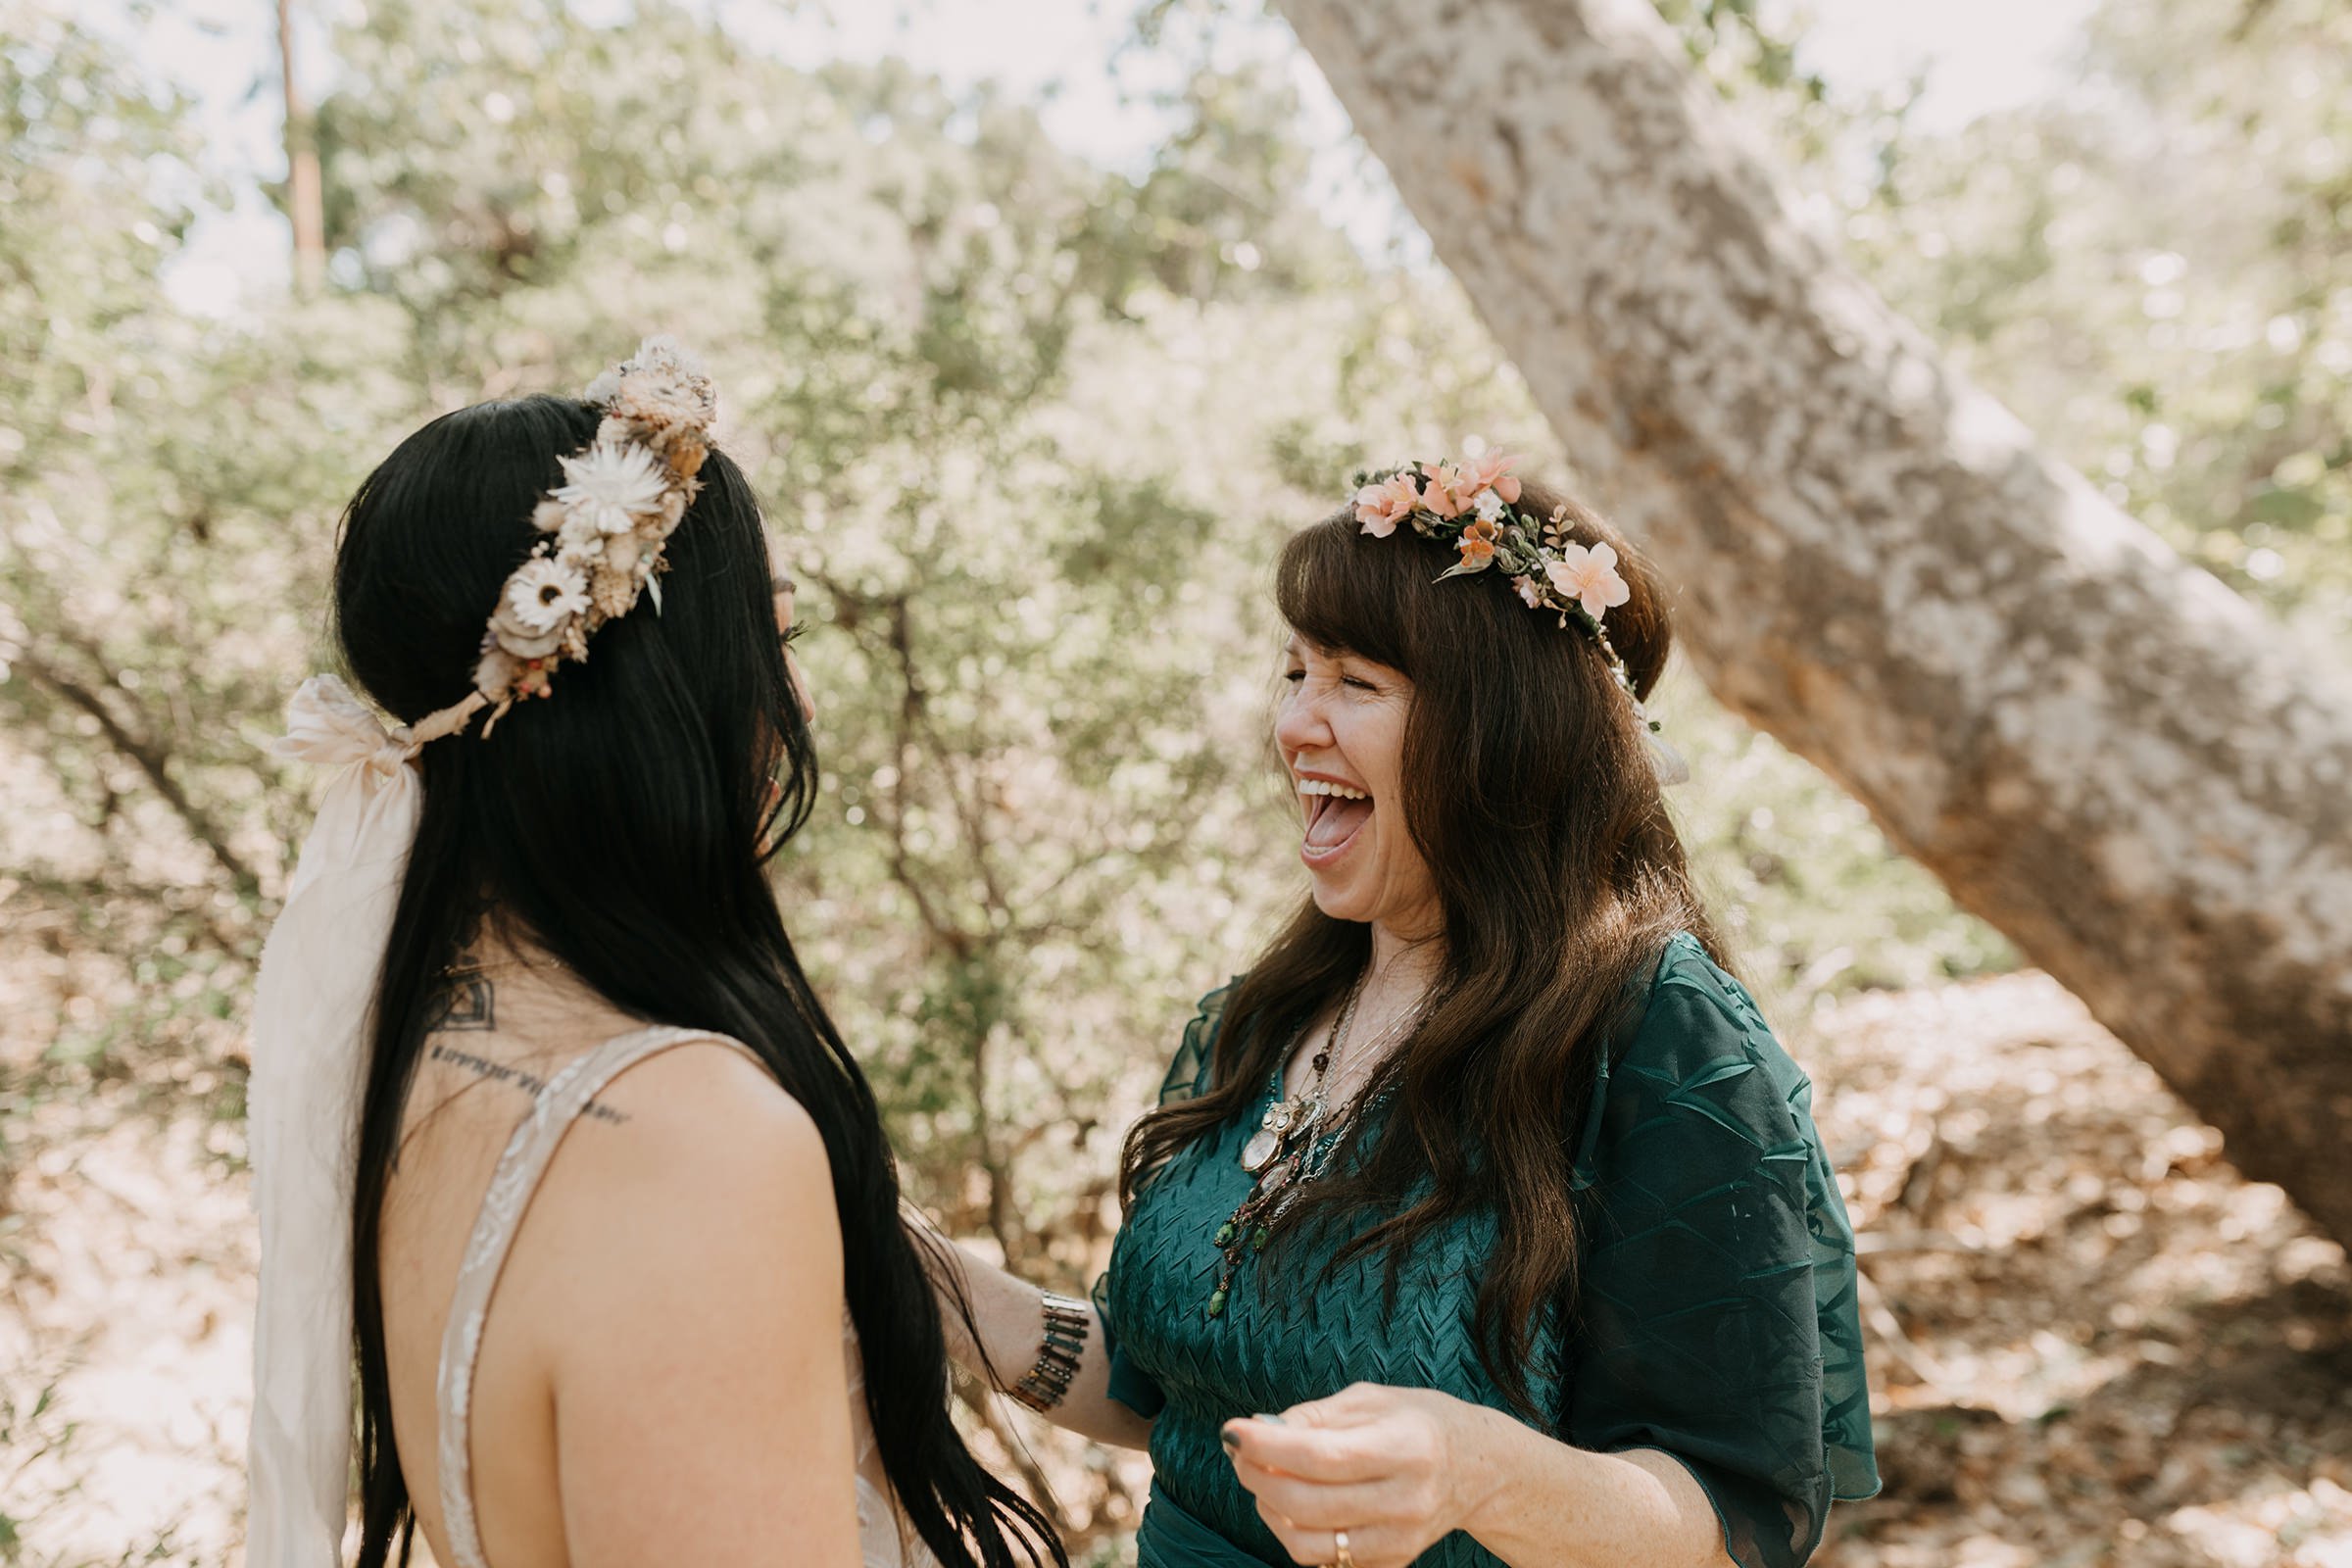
[[781, 584]]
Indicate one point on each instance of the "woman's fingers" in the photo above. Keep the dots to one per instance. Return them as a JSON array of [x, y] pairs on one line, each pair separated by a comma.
[[1302, 1544], [1368, 1460], [1344, 1507], [1358, 1434], [1357, 1405], [1355, 1454], [1371, 1547]]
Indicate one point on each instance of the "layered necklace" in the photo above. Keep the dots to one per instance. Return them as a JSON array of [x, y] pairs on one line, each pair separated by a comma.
[[1291, 1146]]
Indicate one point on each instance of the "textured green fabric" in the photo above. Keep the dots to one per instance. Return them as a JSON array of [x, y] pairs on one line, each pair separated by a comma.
[[1717, 1318]]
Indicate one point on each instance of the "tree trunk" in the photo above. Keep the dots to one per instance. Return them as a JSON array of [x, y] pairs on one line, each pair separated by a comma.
[[2099, 749], [306, 202]]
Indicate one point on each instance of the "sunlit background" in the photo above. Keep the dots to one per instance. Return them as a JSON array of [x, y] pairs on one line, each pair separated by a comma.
[[1037, 325], [1070, 60]]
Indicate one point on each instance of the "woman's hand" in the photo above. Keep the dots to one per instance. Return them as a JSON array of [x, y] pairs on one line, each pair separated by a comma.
[[1396, 1469]]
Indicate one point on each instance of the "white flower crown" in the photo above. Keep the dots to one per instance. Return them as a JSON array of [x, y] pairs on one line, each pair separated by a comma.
[[602, 532]]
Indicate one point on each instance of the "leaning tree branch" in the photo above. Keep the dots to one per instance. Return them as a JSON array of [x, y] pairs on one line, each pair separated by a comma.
[[2099, 749]]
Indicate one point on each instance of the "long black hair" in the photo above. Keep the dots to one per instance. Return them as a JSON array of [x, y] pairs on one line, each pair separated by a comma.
[[621, 823]]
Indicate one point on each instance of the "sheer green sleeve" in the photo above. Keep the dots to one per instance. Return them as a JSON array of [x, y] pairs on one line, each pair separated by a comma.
[[1187, 1076], [1716, 1317]]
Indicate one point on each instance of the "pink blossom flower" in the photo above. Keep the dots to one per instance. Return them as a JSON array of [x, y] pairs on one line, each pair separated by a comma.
[[1380, 508], [1445, 495], [1477, 546], [1492, 473], [1529, 590], [1588, 576]]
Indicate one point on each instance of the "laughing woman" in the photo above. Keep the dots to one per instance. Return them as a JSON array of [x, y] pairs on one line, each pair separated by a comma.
[[1488, 1184]]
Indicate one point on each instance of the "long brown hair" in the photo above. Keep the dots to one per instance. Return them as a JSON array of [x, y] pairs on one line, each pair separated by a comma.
[[1529, 791]]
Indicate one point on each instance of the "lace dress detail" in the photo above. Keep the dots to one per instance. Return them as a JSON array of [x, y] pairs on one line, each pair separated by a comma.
[[883, 1542]]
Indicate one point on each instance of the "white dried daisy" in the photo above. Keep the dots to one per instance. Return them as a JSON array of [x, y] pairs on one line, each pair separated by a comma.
[[664, 356], [544, 594], [611, 486]]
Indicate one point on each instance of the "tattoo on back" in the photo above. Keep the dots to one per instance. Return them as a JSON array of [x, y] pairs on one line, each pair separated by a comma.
[[531, 1083], [469, 1004], [466, 1004]]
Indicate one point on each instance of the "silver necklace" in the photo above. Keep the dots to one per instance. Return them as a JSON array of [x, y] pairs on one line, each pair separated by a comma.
[[1287, 1151], [1299, 1116], [1297, 1112]]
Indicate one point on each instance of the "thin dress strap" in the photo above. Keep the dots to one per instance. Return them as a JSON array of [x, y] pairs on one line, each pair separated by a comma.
[[529, 1152]]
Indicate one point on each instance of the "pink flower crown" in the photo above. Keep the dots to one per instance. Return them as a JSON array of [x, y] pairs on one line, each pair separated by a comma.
[[1473, 505]]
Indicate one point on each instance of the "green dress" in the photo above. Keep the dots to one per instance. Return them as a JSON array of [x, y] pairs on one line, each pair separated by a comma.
[[1716, 1318]]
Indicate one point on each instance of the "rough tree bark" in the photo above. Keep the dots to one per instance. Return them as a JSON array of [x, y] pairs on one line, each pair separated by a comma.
[[2101, 749]]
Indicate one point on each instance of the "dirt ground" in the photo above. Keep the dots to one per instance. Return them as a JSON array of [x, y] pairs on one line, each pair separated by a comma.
[[2091, 1342]]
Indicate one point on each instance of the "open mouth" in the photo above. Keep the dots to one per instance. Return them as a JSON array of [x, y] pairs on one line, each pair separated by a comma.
[[1334, 814]]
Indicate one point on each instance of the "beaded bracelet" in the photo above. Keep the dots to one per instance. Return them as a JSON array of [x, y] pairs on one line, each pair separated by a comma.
[[1066, 1323]]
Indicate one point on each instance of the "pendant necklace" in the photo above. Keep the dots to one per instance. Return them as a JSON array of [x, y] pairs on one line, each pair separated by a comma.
[[1289, 1149], [1290, 1114]]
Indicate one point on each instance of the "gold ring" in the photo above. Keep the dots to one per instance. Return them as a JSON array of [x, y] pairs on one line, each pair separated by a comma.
[[1343, 1558]]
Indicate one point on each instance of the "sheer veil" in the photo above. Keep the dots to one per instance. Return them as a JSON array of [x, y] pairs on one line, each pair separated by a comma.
[[312, 1006]]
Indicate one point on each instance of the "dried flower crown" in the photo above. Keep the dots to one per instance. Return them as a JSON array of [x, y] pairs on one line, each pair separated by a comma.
[[602, 532], [1473, 504]]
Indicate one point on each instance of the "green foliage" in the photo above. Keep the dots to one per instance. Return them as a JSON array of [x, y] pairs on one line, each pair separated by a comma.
[[1732, 45], [2155, 272], [1029, 432], [976, 379]]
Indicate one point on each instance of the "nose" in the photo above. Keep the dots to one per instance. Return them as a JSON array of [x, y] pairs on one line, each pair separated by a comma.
[[1300, 724]]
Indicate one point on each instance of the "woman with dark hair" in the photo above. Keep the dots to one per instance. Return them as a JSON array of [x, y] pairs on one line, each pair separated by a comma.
[[547, 1124], [1483, 1219]]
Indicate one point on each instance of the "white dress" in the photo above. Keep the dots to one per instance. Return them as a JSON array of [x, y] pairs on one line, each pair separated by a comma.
[[884, 1541]]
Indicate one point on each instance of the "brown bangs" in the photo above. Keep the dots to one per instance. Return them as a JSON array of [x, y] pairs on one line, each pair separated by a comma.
[[1339, 587]]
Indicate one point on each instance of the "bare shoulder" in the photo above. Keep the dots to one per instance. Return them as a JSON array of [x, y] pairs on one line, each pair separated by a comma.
[[688, 1298], [708, 1093], [697, 1166], [701, 1117]]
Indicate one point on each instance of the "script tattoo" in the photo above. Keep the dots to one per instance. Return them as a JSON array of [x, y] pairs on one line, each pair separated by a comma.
[[466, 1004], [530, 1082]]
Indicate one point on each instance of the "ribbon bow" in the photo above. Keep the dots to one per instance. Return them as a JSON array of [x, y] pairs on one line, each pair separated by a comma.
[[326, 725], [312, 1006]]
